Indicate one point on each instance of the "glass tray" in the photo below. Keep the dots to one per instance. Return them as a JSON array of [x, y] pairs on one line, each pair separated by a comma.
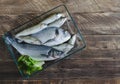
[[70, 25]]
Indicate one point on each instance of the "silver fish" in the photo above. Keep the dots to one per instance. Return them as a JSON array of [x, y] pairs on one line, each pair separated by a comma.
[[58, 23], [66, 47], [31, 30], [36, 52], [40, 26], [52, 18], [46, 34], [61, 37], [29, 39]]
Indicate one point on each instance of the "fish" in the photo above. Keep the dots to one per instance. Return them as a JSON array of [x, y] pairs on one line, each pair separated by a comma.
[[42, 25], [39, 53], [50, 36], [29, 39], [58, 23], [31, 30], [53, 18], [61, 37], [66, 47], [46, 34]]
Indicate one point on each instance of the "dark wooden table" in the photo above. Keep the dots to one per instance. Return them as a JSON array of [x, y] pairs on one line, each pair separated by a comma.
[[99, 21]]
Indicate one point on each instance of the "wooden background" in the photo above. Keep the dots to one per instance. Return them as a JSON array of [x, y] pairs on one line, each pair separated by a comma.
[[99, 21]]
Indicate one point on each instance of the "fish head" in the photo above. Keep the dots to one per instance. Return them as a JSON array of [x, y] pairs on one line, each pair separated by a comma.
[[55, 53], [60, 15], [64, 34]]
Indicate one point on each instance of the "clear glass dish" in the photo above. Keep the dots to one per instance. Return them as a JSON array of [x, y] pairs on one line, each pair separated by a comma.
[[70, 25]]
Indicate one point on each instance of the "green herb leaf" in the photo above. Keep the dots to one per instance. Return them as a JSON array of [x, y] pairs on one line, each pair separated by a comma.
[[28, 66]]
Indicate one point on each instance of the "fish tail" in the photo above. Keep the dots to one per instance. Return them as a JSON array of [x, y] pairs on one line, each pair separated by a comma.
[[9, 39]]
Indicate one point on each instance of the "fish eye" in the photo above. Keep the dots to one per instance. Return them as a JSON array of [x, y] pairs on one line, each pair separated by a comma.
[[56, 32]]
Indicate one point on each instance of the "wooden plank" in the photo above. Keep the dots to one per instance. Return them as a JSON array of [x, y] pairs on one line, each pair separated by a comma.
[[97, 54], [98, 23], [82, 6], [106, 47], [90, 81], [90, 23], [64, 81], [53, 81], [101, 30], [68, 68], [26, 6], [69, 64], [9, 22], [100, 65], [108, 5], [6, 66], [102, 42], [4, 54]]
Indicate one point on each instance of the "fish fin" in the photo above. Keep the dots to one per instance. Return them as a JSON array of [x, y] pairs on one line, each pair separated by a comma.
[[72, 40]]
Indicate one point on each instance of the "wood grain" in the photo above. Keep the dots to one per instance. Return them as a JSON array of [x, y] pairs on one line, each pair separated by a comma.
[[83, 64], [87, 63], [69, 68], [99, 22], [89, 23], [26, 6], [95, 44], [108, 5], [64, 81]]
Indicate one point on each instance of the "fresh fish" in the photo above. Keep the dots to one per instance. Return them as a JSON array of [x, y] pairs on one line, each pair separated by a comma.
[[58, 23], [31, 30], [46, 34], [61, 37], [53, 18], [40, 26], [50, 36], [29, 39], [36, 52], [66, 47]]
